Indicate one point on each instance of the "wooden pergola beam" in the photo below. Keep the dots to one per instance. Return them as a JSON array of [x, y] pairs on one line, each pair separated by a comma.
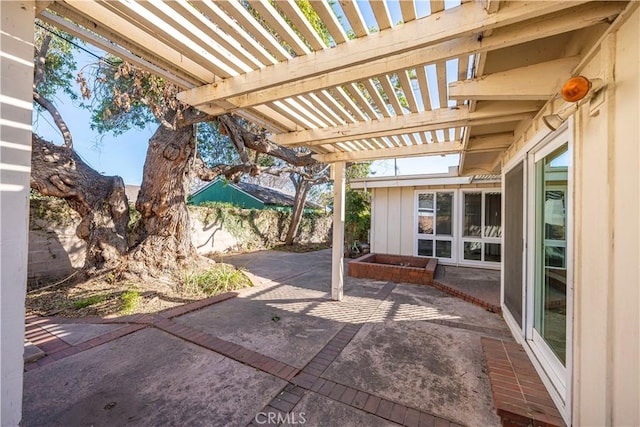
[[535, 82], [114, 28], [116, 50], [388, 51], [443, 118], [492, 142], [391, 153]]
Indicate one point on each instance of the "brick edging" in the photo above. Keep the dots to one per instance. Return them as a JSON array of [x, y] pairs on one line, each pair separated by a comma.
[[56, 348], [466, 297], [519, 395], [86, 345], [143, 318]]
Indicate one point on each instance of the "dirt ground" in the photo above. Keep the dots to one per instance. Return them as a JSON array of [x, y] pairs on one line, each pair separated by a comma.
[[106, 296]]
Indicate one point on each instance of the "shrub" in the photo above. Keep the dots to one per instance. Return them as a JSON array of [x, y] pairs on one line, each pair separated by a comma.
[[219, 279]]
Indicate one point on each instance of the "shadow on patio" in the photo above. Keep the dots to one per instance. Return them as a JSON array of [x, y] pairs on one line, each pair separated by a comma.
[[386, 354]]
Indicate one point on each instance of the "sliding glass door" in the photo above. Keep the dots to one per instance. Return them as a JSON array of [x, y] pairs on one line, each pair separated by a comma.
[[550, 294]]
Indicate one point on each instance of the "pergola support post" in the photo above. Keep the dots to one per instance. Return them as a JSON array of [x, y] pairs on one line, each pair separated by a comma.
[[337, 261], [16, 91]]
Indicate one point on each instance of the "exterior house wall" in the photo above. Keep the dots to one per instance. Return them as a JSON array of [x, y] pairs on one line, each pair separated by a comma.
[[393, 216], [16, 65], [606, 240], [392, 221]]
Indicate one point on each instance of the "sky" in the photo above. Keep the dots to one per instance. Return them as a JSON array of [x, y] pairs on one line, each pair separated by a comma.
[[124, 155]]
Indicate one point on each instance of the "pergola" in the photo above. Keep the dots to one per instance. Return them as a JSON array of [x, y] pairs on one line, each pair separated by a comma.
[[452, 77]]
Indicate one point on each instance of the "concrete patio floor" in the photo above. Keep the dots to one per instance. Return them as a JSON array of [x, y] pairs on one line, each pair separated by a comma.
[[388, 354]]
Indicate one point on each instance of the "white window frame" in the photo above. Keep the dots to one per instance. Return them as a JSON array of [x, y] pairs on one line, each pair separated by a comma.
[[482, 239], [435, 237]]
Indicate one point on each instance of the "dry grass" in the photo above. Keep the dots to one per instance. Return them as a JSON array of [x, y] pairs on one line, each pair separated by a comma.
[[107, 297]]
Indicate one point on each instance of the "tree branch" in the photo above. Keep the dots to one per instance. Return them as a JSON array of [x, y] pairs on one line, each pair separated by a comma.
[[57, 118], [231, 172], [259, 143], [41, 58]]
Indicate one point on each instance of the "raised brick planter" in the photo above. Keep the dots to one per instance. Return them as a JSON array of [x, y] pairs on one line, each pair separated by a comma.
[[394, 268]]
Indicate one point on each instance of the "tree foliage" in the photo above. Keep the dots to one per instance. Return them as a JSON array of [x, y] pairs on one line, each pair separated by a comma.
[[59, 69], [357, 207]]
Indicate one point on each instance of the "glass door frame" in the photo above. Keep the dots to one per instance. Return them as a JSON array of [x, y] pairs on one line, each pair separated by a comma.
[[558, 374]]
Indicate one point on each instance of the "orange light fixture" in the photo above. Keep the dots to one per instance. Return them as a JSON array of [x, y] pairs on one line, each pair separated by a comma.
[[575, 89]]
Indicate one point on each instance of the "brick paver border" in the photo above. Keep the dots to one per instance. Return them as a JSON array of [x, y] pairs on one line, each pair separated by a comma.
[[519, 396], [465, 297], [299, 381]]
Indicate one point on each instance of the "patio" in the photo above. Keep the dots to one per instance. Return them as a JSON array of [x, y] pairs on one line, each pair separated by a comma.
[[387, 354]]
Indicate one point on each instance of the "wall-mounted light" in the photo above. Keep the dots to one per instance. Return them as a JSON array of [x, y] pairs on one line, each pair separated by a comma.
[[573, 91]]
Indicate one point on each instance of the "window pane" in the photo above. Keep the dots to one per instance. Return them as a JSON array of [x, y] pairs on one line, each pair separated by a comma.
[[443, 249], [472, 214], [554, 256], [492, 252], [554, 215], [550, 303], [425, 213], [425, 223], [425, 247], [444, 214], [473, 251], [492, 215], [425, 202]]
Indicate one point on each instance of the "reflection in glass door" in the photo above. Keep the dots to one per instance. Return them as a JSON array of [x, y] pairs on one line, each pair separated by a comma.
[[550, 289]]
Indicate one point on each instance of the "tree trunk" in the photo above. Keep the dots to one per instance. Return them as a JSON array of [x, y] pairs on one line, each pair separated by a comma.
[[298, 209], [164, 227], [100, 200]]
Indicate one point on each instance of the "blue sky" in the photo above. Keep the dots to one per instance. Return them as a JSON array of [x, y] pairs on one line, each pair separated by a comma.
[[124, 155]]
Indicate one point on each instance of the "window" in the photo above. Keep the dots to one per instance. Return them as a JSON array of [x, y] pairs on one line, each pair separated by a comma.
[[482, 227], [434, 225]]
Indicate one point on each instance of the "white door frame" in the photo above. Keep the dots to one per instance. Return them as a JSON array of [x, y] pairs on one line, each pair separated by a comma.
[[559, 376]]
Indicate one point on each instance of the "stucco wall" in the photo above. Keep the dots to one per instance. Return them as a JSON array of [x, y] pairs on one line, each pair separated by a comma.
[[607, 299], [16, 73], [55, 251]]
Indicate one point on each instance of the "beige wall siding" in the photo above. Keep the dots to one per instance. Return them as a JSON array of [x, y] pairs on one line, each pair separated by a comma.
[[391, 211], [379, 220], [626, 231], [407, 221], [606, 221], [16, 65], [607, 324], [591, 284], [393, 216]]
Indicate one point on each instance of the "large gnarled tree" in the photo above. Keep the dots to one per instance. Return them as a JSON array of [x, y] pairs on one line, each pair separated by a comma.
[[124, 96]]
